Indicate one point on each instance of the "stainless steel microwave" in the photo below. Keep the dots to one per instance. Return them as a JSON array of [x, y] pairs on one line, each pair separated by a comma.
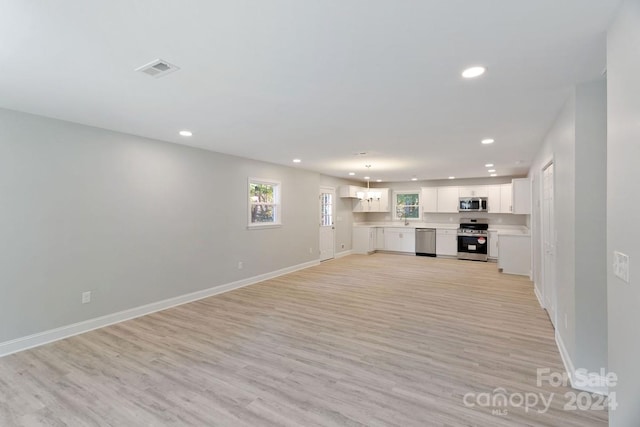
[[472, 204]]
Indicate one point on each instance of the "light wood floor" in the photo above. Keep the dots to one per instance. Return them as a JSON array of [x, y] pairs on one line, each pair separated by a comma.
[[383, 340]]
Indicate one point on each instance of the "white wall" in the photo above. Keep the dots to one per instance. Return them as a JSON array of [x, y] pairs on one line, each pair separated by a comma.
[[576, 143], [131, 219], [623, 207]]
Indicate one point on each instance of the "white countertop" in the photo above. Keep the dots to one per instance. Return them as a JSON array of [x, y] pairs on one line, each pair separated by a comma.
[[515, 230]]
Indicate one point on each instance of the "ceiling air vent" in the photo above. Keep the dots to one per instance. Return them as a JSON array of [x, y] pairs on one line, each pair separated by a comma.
[[158, 68]]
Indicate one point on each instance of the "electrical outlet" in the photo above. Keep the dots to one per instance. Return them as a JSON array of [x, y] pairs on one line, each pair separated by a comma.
[[621, 266], [310, 250], [240, 265], [86, 297], [342, 246]]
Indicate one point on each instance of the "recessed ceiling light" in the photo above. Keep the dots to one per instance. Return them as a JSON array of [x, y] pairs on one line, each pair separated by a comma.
[[494, 174], [472, 72], [488, 165], [296, 160], [186, 133], [414, 179], [487, 141], [367, 177], [452, 177], [352, 173], [378, 180], [491, 170]]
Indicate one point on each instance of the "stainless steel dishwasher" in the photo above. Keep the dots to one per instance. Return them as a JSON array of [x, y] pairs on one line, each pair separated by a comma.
[[426, 241]]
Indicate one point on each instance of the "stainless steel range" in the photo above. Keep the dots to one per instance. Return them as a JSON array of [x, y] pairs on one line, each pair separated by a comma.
[[473, 239]]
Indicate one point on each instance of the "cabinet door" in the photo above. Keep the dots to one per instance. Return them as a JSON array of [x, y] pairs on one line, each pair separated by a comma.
[[429, 199], [521, 196], [372, 239], [493, 198], [474, 191], [361, 240], [381, 205], [447, 242], [448, 199], [505, 198], [493, 244], [380, 238]]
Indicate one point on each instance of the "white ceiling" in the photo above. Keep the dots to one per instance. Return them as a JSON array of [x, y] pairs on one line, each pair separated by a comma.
[[314, 79]]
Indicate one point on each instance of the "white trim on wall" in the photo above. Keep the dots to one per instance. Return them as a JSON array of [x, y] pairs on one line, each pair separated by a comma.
[[571, 372], [41, 338]]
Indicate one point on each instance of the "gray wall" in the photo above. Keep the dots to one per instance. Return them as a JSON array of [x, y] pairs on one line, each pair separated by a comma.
[[558, 145], [577, 145], [590, 226], [623, 176], [132, 220]]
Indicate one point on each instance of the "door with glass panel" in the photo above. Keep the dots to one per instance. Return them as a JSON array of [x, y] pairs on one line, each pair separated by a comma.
[[327, 228]]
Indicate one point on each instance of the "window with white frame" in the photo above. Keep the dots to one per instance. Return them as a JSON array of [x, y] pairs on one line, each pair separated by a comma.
[[264, 203], [407, 205]]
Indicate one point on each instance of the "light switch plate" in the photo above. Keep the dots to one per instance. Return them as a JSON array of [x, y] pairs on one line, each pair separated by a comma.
[[621, 265]]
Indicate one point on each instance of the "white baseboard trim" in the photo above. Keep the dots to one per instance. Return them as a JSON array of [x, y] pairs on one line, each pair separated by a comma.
[[343, 254], [586, 378], [41, 338], [535, 290]]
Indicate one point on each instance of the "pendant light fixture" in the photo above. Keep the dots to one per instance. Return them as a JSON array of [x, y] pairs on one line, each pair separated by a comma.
[[370, 194]]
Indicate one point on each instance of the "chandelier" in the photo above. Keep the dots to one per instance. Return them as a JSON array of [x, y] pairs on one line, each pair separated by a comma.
[[370, 195]]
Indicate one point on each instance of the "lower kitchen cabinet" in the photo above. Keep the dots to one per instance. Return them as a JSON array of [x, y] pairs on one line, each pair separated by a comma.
[[493, 244], [364, 240], [515, 254], [446, 242], [379, 238], [400, 239]]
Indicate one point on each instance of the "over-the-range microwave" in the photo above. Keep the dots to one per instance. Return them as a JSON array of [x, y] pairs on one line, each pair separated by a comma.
[[472, 204]]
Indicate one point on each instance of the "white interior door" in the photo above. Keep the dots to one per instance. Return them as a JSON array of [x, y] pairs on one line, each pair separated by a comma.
[[548, 243], [327, 228]]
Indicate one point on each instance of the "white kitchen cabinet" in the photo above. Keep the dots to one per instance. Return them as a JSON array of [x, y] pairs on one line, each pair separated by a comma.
[[448, 199], [493, 198], [493, 244], [506, 196], [446, 242], [400, 239], [349, 191], [379, 238], [521, 196], [473, 191], [364, 240], [429, 199], [379, 205], [515, 254]]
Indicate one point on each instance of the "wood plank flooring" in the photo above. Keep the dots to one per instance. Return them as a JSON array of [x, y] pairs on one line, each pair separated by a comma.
[[380, 340]]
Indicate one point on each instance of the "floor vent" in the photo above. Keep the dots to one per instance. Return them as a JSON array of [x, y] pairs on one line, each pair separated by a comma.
[[158, 68]]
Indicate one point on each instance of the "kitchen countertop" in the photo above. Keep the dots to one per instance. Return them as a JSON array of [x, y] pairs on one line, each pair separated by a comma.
[[514, 230]]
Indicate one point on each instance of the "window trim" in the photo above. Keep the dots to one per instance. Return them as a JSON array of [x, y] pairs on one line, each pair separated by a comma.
[[277, 196], [395, 205]]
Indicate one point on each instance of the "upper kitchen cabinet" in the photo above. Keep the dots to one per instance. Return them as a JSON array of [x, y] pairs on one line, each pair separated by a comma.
[[380, 202], [521, 196], [506, 198], [448, 198], [349, 191], [493, 199], [429, 199], [474, 191]]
